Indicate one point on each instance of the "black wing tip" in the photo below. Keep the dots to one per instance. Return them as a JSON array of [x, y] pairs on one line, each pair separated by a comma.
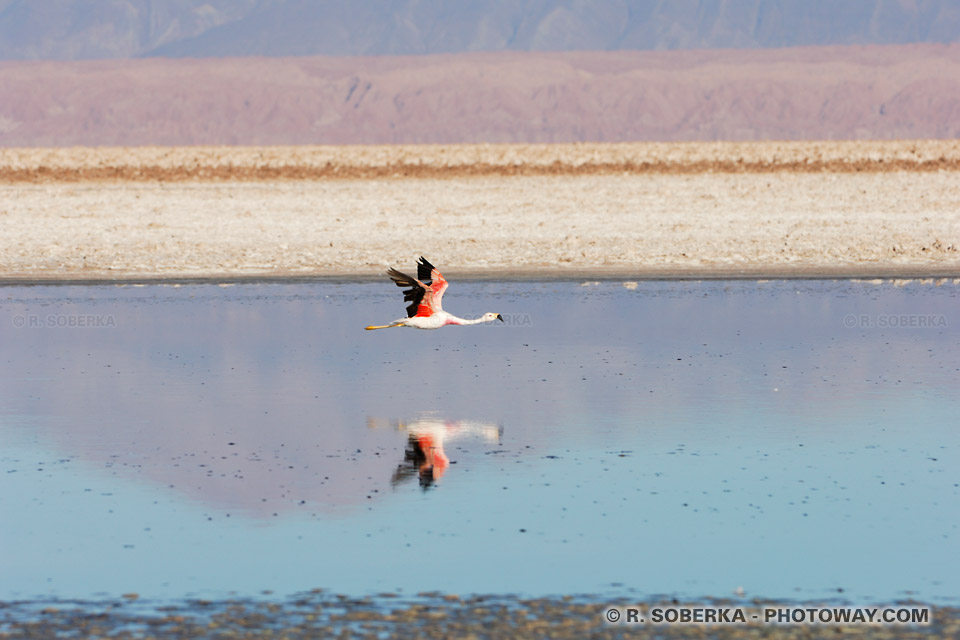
[[401, 279], [424, 269]]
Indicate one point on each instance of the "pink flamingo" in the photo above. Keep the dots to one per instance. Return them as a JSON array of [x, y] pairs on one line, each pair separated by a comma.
[[424, 296]]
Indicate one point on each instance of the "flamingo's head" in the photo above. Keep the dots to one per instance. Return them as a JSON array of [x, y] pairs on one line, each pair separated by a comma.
[[490, 317]]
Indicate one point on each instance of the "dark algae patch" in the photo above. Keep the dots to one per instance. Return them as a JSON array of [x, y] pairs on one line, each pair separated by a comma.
[[319, 614]]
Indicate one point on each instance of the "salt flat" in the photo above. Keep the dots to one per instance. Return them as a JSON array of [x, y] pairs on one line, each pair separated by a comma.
[[689, 209]]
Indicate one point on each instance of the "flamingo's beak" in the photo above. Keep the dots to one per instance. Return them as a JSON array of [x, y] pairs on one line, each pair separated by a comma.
[[499, 317]]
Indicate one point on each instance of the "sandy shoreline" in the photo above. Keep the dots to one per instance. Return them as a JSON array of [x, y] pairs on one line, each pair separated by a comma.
[[891, 209], [895, 276]]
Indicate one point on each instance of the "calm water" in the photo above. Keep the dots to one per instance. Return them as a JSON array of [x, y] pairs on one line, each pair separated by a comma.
[[798, 439]]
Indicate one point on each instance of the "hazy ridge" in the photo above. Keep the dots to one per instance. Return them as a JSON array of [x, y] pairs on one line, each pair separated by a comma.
[[85, 29], [892, 92]]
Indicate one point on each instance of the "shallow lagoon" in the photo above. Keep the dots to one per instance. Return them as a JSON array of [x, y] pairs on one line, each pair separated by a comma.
[[797, 439]]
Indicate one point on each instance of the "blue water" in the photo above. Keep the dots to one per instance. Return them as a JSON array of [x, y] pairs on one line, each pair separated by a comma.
[[796, 439]]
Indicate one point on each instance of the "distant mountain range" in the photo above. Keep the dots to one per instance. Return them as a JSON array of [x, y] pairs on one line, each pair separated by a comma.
[[894, 91], [96, 29]]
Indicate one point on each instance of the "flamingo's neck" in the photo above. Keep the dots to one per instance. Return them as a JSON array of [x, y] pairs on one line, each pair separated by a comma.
[[463, 321]]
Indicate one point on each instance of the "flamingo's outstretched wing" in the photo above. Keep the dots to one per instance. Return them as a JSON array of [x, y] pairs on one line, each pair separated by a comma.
[[414, 295], [425, 294], [434, 279]]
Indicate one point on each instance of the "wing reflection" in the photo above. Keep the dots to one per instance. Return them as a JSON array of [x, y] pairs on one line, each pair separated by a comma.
[[425, 457]]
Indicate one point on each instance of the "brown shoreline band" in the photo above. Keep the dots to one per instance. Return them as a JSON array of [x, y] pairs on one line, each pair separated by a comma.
[[332, 171]]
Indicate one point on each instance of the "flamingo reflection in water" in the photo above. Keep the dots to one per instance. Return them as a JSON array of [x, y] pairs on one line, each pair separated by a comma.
[[425, 456]]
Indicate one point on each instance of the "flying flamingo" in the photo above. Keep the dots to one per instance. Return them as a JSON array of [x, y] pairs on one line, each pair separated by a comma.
[[424, 311]]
